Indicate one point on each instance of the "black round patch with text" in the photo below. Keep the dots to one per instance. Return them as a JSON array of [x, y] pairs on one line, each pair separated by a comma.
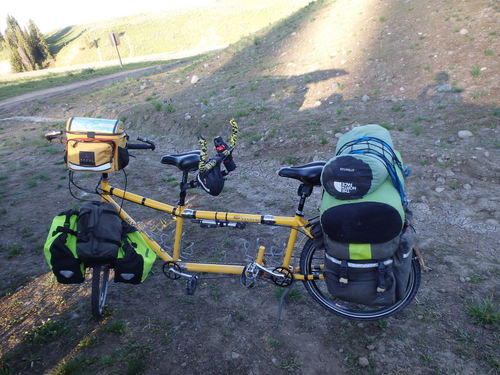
[[347, 177]]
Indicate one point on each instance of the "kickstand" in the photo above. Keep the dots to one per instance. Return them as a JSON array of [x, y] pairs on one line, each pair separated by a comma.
[[280, 306]]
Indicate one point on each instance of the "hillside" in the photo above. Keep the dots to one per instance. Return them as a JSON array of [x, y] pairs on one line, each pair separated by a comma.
[[426, 70], [164, 32]]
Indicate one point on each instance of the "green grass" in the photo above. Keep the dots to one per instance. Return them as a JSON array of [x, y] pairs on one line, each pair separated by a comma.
[[489, 52], [118, 327], [10, 87], [475, 71], [49, 331], [484, 311]]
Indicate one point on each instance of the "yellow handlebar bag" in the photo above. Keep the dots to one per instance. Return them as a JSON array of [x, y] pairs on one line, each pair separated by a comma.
[[95, 145]]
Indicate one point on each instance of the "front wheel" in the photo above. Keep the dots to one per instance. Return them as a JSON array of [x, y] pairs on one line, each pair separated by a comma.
[[311, 263], [100, 279]]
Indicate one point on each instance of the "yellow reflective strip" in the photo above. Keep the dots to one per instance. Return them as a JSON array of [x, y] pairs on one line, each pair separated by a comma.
[[360, 251]]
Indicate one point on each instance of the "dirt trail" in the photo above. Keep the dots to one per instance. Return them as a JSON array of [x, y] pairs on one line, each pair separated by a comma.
[[294, 89]]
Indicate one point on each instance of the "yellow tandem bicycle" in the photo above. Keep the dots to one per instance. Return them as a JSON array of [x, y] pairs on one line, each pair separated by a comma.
[[311, 258]]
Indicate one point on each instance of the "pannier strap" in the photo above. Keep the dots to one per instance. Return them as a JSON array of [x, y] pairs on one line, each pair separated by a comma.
[[358, 265], [382, 271], [344, 276]]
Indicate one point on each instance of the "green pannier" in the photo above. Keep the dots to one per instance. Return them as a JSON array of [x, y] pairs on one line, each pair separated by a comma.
[[60, 249], [64, 248], [135, 257], [364, 217]]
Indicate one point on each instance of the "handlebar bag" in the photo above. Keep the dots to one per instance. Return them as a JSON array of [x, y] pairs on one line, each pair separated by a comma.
[[99, 233], [135, 257], [95, 145], [60, 249]]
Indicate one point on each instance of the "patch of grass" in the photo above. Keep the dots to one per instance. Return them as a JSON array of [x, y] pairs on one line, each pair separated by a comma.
[[118, 327], [290, 160], [75, 366], [157, 105], [484, 311], [397, 108], [135, 358], [382, 19], [47, 332], [14, 250], [496, 112], [489, 52], [169, 108], [424, 162], [290, 364], [475, 71], [417, 129], [294, 295], [87, 342], [386, 126], [323, 140]]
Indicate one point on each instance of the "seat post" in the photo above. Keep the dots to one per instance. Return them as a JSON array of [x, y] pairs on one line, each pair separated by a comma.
[[183, 188], [305, 190]]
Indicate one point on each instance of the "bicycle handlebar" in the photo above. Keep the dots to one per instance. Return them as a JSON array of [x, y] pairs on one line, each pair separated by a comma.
[[147, 145]]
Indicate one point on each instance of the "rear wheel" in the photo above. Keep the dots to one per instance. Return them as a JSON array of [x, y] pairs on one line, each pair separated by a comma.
[[100, 279], [311, 263]]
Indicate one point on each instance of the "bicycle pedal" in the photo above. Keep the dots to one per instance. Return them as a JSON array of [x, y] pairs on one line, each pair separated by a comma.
[[191, 285]]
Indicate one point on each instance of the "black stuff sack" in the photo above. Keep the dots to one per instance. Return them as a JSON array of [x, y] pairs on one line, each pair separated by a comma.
[[99, 233]]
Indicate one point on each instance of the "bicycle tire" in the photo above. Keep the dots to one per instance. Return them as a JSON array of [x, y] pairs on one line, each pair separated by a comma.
[[311, 258], [100, 280]]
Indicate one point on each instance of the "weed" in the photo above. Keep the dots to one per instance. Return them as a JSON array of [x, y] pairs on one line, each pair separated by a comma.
[[118, 327], [397, 108], [257, 41], [290, 365], [417, 129], [14, 250], [157, 105], [87, 342], [496, 112], [338, 111], [484, 312], [382, 19], [275, 344], [479, 94], [423, 162], [47, 332], [386, 126], [76, 365], [169, 108], [323, 140], [489, 52], [294, 295], [32, 183], [136, 358], [458, 89], [475, 71], [454, 185], [382, 323], [3, 177], [290, 160]]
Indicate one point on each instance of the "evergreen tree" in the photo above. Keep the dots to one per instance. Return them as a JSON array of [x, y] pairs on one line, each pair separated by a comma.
[[39, 47], [20, 51], [2, 41]]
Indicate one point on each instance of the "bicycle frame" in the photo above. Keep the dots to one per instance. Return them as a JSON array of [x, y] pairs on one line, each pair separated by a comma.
[[181, 212]]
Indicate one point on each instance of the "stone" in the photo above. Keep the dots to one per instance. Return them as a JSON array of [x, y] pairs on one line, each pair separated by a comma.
[[365, 98], [235, 355], [363, 362], [439, 189], [194, 79], [338, 135], [467, 187], [440, 180], [187, 116], [445, 88], [464, 134], [370, 347], [464, 32]]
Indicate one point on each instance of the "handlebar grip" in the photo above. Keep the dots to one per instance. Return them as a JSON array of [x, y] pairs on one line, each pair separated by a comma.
[[148, 141], [139, 146], [234, 135], [54, 136]]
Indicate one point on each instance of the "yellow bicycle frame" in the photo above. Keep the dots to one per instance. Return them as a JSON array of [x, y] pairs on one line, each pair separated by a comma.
[[181, 212]]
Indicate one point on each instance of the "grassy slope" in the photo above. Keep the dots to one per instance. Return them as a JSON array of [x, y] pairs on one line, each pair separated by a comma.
[[162, 32]]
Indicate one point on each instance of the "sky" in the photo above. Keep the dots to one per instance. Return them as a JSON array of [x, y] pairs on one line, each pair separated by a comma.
[[50, 15]]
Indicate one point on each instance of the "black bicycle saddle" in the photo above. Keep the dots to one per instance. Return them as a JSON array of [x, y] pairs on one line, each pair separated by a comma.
[[308, 173], [187, 161]]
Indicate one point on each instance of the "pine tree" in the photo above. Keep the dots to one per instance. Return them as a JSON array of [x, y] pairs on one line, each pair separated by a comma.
[[2, 41], [20, 51], [39, 47]]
